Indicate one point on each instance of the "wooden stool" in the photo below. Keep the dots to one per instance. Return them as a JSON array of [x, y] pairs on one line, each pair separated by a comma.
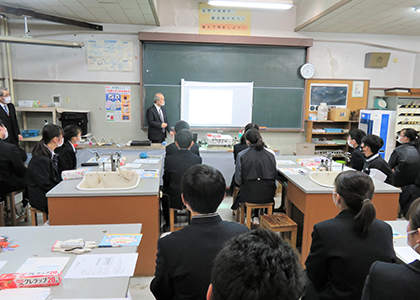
[[1, 213], [280, 223], [11, 208], [250, 207], [172, 219], [34, 219]]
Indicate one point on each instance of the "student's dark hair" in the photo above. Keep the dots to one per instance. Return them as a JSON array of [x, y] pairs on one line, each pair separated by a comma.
[[248, 127], [357, 135], [71, 131], [203, 188], [357, 189], [374, 142], [257, 265], [411, 133], [184, 138], [49, 132], [254, 137], [413, 214], [181, 125]]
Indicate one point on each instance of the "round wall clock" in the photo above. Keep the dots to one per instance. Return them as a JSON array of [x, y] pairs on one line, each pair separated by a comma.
[[307, 71]]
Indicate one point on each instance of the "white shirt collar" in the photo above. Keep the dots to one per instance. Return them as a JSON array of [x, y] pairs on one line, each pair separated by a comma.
[[206, 215], [52, 152], [157, 107], [372, 157], [74, 149]]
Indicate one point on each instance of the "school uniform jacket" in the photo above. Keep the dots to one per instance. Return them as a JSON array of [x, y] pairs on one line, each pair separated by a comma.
[[405, 160], [11, 123], [42, 176], [377, 162], [12, 169], [185, 257], [155, 123], [340, 256], [357, 159], [175, 167], [172, 148], [66, 157], [393, 281]]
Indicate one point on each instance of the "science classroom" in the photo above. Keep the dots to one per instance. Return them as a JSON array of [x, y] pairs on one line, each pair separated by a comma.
[[194, 149]]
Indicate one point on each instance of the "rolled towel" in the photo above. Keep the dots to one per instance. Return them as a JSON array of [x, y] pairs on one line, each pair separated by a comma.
[[74, 174]]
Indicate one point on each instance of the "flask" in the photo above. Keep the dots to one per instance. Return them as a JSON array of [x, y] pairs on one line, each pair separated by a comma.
[[322, 112]]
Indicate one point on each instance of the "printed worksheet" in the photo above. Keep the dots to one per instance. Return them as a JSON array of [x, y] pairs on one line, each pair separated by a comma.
[[25, 294], [43, 265]]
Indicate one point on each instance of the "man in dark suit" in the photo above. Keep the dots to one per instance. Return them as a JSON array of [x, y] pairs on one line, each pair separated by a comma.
[[175, 167], [12, 169], [8, 115], [158, 120], [185, 257], [173, 148]]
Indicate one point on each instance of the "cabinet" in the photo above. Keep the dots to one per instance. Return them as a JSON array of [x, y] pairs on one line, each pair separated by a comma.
[[318, 132]]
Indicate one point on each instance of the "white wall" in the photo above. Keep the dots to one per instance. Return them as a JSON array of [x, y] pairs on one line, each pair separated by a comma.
[[181, 16]]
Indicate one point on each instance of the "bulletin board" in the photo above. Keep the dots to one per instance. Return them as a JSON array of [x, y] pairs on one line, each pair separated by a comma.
[[356, 100]]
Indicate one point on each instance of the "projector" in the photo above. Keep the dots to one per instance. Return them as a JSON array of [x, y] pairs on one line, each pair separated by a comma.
[[215, 139]]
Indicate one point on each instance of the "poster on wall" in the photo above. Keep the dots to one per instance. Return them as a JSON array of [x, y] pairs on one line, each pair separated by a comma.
[[117, 104], [224, 21], [110, 55]]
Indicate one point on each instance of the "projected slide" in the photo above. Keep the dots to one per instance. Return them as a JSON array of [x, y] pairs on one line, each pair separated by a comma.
[[216, 104]]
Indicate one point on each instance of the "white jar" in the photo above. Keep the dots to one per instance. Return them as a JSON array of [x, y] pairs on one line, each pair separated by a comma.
[[322, 112]]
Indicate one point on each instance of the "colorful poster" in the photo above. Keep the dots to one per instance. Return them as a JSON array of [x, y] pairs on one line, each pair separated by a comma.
[[110, 55], [117, 104], [224, 21]]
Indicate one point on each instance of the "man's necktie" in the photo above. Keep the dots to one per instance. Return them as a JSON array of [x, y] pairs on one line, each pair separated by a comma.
[[6, 109], [161, 118]]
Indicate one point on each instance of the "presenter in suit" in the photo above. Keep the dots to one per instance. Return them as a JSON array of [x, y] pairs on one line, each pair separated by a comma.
[[175, 167], [158, 121], [344, 248], [8, 115], [67, 153], [12, 169], [173, 148], [397, 281], [185, 257]]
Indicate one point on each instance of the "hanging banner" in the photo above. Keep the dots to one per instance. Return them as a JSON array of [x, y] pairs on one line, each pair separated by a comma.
[[117, 104], [224, 21]]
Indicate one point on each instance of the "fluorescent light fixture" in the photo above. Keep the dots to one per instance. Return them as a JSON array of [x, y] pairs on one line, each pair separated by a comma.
[[253, 4], [32, 41], [417, 8]]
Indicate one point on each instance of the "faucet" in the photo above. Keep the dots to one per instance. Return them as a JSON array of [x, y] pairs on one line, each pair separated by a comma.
[[97, 155], [115, 165], [330, 158]]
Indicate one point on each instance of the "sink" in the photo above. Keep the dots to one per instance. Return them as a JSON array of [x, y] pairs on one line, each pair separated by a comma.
[[324, 178], [109, 181]]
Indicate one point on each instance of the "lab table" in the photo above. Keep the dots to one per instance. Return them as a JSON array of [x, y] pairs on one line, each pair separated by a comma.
[[315, 201], [37, 241]]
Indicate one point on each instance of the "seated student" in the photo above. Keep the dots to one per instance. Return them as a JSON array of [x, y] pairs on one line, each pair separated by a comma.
[[255, 173], [67, 153], [175, 166], [375, 165], [397, 281], [42, 169], [172, 148], [357, 157], [185, 257], [12, 169], [405, 160], [344, 248], [257, 265]]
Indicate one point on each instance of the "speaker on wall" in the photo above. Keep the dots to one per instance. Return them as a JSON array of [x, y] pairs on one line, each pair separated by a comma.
[[376, 59]]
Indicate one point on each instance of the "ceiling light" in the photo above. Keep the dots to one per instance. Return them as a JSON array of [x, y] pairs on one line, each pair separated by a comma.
[[29, 40], [417, 8], [253, 4]]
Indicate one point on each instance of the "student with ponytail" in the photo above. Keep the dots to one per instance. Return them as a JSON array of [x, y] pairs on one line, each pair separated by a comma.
[[344, 248], [255, 173]]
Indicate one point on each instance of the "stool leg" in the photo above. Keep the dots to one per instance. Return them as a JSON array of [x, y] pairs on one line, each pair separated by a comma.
[[171, 220], [1, 213], [44, 217], [242, 209], [248, 216], [270, 210], [12, 207], [34, 221], [293, 237]]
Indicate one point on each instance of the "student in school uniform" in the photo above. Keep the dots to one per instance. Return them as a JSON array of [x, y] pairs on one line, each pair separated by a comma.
[[375, 165], [42, 169], [67, 153], [173, 148], [354, 140]]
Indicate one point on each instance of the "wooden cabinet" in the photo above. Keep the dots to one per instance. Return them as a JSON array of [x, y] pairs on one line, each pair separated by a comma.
[[324, 140]]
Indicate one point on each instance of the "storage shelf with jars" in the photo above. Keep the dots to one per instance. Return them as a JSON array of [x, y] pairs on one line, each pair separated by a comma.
[[329, 136]]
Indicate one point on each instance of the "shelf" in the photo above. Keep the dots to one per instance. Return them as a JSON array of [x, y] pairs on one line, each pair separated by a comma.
[[329, 145], [330, 133], [32, 139], [35, 109], [330, 121]]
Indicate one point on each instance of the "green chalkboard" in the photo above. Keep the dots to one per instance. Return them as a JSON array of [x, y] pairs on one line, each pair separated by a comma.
[[278, 87]]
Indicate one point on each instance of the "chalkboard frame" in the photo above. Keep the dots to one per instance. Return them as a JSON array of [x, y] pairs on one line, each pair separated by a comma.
[[210, 39]]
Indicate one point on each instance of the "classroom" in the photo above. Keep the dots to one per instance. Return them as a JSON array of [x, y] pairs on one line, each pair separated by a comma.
[[144, 97]]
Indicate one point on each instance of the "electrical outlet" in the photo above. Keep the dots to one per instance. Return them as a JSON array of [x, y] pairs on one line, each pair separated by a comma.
[[67, 99]]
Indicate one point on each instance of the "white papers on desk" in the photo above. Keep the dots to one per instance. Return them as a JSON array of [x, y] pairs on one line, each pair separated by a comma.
[[376, 174], [132, 166], [146, 161], [2, 263], [286, 162], [103, 266], [25, 294], [42, 265], [406, 254]]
